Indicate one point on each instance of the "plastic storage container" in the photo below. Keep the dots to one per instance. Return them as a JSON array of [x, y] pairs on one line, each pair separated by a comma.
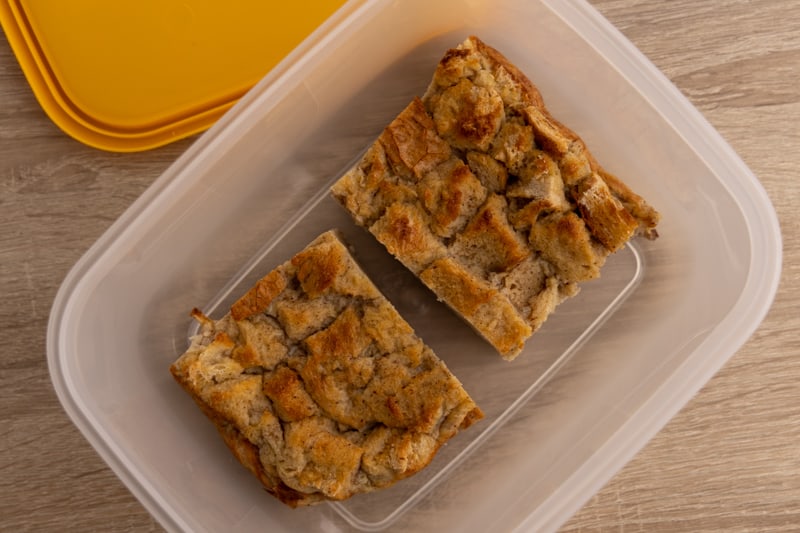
[[603, 375]]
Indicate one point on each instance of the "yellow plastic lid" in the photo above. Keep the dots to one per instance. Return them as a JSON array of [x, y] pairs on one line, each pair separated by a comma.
[[128, 76]]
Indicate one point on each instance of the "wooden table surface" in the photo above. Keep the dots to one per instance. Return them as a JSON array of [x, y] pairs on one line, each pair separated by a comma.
[[729, 461]]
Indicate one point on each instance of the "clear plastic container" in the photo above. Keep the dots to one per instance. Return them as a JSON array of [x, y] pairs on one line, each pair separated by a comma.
[[604, 374]]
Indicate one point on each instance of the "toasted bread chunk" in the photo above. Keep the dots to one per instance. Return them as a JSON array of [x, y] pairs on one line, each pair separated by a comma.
[[477, 189], [318, 386]]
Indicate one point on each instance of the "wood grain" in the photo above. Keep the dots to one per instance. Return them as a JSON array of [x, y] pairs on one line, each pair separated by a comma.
[[729, 461]]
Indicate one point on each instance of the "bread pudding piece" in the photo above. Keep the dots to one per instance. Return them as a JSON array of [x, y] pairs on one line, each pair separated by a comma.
[[318, 386], [495, 205]]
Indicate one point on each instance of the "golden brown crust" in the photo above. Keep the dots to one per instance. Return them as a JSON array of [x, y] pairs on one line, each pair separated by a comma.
[[259, 297], [320, 388], [485, 307], [604, 215], [410, 145], [479, 178], [405, 231]]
